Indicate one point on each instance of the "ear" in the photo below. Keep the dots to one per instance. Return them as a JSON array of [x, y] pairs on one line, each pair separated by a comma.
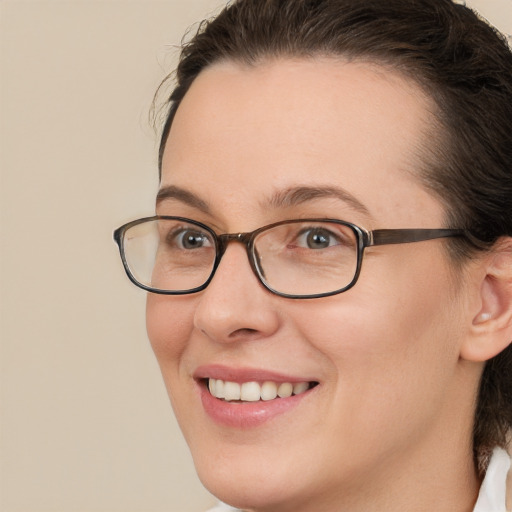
[[491, 328]]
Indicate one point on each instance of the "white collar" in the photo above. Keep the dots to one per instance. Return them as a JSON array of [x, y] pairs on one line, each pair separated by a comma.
[[492, 496]]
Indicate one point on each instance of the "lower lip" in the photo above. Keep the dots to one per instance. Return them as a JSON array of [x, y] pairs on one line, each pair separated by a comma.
[[243, 415]]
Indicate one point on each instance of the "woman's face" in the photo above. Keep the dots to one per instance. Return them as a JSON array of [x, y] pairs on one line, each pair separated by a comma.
[[381, 359]]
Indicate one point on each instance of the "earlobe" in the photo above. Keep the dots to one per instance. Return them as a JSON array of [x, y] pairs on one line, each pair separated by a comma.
[[491, 328]]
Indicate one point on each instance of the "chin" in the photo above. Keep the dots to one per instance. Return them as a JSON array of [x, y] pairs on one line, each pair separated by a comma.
[[261, 476], [247, 489]]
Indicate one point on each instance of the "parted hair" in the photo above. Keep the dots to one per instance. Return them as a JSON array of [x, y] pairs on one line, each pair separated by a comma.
[[462, 63]]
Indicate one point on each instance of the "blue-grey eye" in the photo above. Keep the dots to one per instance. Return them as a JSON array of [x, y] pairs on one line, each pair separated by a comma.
[[317, 238], [191, 239]]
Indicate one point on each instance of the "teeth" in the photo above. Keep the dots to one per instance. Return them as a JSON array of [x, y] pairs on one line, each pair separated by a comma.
[[219, 387], [268, 391], [253, 391], [300, 388], [250, 392], [285, 390], [232, 391]]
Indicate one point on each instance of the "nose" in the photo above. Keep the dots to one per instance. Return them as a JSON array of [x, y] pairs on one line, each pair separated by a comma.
[[235, 306]]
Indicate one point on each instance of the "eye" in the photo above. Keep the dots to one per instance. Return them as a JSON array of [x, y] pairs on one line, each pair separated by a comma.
[[187, 238], [317, 238]]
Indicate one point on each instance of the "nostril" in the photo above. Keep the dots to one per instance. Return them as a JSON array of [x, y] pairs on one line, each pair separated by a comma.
[[245, 332]]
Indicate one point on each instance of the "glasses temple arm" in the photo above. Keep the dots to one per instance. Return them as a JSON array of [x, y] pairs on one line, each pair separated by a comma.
[[402, 236]]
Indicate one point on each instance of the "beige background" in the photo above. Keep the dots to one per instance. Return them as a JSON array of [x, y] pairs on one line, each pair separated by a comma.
[[85, 422]]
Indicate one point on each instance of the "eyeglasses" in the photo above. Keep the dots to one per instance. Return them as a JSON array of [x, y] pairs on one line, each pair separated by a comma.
[[300, 258]]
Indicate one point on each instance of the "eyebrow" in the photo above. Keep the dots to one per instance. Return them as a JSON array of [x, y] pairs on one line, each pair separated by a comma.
[[289, 197], [297, 195], [180, 194]]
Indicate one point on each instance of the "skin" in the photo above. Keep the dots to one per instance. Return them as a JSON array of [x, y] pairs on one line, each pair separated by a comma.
[[389, 425]]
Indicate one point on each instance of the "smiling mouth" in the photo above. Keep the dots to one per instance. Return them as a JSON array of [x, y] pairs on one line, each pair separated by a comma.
[[254, 391]]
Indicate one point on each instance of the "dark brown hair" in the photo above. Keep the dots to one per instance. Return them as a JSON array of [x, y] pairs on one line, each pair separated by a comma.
[[461, 62]]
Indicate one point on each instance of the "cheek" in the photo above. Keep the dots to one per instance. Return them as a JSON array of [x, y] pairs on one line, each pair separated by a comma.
[[393, 348], [386, 315], [169, 322]]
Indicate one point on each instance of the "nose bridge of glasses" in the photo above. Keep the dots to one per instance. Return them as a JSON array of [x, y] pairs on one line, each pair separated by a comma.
[[243, 238]]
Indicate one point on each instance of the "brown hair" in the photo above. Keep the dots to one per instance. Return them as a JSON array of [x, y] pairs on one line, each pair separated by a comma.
[[460, 61]]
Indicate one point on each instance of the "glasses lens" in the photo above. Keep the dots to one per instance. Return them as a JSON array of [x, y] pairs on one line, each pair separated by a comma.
[[307, 258], [169, 254]]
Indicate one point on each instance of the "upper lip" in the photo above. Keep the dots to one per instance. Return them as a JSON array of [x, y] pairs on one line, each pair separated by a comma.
[[216, 371]]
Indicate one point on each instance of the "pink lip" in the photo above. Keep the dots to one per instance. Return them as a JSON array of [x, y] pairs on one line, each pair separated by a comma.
[[248, 414], [245, 375]]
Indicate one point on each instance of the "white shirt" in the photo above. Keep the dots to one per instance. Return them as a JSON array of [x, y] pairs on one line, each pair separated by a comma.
[[492, 495]]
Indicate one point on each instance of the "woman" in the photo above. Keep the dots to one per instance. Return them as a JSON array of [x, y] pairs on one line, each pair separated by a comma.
[[331, 265]]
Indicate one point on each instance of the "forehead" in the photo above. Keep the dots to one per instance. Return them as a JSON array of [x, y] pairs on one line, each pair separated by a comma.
[[249, 131]]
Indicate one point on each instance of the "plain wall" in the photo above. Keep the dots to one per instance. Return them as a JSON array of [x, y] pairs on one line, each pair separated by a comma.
[[85, 421]]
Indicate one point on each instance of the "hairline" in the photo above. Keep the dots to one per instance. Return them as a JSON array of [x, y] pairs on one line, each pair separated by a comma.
[[435, 129]]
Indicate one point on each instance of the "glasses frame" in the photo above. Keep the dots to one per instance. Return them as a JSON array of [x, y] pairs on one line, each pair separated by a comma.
[[364, 237]]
